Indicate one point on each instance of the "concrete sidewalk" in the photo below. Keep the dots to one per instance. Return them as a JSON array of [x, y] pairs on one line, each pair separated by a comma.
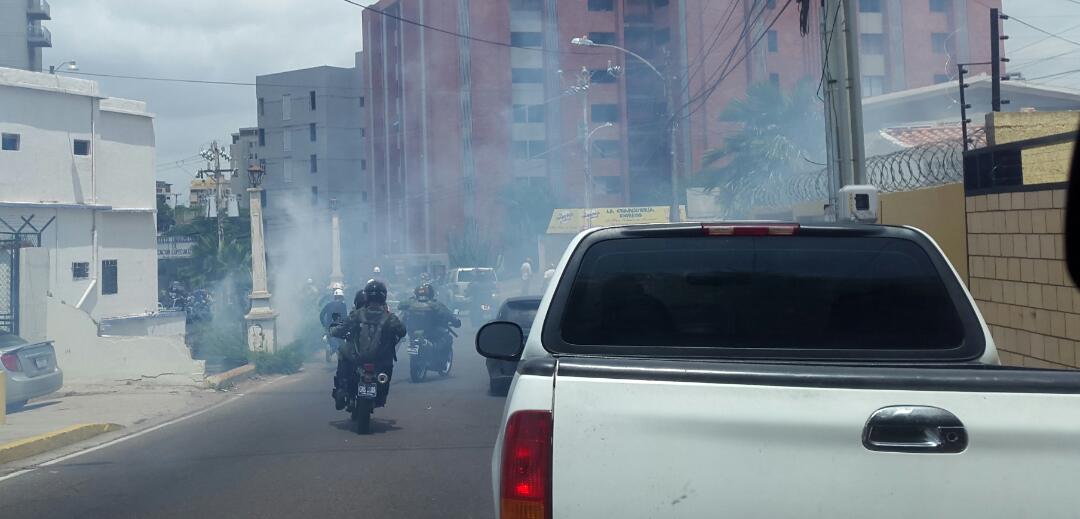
[[80, 412]]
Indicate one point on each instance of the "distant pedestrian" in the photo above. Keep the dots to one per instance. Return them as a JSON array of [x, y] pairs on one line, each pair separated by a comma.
[[526, 275], [549, 274]]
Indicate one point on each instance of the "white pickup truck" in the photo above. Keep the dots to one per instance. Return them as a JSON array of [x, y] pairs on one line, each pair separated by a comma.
[[773, 371]]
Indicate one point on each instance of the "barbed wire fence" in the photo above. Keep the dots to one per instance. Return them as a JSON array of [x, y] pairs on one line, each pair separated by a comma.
[[924, 165]]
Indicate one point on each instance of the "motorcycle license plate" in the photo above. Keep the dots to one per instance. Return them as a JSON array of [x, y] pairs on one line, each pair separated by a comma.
[[485, 307], [368, 390], [414, 350]]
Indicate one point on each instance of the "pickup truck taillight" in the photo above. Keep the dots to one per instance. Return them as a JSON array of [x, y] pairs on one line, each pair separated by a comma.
[[11, 362], [525, 481]]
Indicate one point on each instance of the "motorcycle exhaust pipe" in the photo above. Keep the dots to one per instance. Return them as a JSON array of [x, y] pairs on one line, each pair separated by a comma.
[[383, 378]]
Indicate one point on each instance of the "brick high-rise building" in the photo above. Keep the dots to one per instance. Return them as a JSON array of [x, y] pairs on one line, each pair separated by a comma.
[[453, 120]]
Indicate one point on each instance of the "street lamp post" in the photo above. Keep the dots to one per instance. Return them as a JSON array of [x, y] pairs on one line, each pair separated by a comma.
[[337, 278], [669, 96], [69, 66], [261, 319]]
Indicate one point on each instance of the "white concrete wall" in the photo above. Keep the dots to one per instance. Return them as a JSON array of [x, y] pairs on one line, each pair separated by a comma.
[[87, 358], [13, 49], [33, 293], [130, 238], [125, 156]]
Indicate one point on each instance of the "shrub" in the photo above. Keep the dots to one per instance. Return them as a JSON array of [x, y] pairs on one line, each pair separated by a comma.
[[287, 360]]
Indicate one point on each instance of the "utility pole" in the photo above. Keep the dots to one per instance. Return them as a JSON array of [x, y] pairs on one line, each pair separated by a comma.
[[843, 96], [213, 157], [583, 83]]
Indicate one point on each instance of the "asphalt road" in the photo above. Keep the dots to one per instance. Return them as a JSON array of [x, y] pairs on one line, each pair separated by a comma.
[[283, 451]]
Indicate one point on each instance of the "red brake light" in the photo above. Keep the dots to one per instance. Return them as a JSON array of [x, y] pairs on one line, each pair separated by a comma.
[[11, 362], [771, 229], [525, 486], [369, 367]]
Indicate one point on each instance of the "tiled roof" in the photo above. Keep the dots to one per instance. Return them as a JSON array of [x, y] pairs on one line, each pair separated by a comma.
[[916, 135]]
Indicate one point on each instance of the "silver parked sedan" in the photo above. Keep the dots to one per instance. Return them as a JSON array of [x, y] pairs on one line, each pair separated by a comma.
[[29, 368]]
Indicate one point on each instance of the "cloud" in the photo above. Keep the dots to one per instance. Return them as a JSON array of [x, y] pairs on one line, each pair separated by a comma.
[[233, 40]]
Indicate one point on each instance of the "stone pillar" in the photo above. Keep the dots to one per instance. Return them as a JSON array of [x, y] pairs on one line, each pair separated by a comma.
[[261, 320]]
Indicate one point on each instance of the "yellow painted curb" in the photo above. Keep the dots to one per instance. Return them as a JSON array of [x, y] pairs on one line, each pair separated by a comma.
[[35, 445], [223, 379]]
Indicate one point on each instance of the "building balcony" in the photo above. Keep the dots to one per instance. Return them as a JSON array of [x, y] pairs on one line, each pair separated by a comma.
[[39, 10], [38, 36]]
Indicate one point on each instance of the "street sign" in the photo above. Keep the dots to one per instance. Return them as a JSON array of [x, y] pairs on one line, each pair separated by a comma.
[[175, 247], [571, 221]]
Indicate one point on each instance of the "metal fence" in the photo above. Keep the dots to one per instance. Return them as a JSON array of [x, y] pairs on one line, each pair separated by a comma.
[[9, 286]]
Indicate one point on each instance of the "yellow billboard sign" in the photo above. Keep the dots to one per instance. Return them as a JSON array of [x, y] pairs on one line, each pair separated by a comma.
[[572, 221]]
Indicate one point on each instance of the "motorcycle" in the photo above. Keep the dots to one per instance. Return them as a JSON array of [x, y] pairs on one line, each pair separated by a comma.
[[424, 356], [361, 402]]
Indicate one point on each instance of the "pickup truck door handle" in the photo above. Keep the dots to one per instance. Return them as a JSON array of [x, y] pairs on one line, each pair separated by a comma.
[[914, 429]]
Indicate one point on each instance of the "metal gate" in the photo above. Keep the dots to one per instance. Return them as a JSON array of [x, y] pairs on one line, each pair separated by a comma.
[[9, 285]]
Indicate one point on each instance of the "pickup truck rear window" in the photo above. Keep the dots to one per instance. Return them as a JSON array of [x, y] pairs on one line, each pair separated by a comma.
[[764, 293]]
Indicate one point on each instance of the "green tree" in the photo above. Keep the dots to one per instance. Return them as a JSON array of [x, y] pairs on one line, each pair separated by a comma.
[[528, 208], [778, 134], [166, 218]]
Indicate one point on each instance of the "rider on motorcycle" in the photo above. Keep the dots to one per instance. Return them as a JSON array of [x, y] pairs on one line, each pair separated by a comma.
[[336, 306], [423, 312], [371, 310]]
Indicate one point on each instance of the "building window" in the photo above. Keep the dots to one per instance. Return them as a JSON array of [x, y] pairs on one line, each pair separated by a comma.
[[363, 196], [607, 185], [108, 277], [601, 5], [605, 113], [311, 99], [286, 168], [939, 6], [872, 43], [772, 41], [312, 132], [363, 132], [873, 85], [361, 101], [938, 41], [9, 141], [606, 148], [262, 137], [526, 39], [770, 4], [870, 6], [286, 139], [527, 75], [314, 195], [365, 228], [660, 3], [606, 38], [941, 78], [528, 113], [314, 161], [286, 107], [774, 79], [526, 5], [601, 75], [81, 147], [80, 270], [363, 164], [262, 197], [262, 106], [527, 149], [662, 36]]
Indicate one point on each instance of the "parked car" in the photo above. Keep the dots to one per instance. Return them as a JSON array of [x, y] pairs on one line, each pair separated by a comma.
[[519, 310], [772, 370], [457, 285], [30, 369]]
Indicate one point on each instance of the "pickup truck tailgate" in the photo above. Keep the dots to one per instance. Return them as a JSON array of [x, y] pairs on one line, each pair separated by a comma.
[[711, 442]]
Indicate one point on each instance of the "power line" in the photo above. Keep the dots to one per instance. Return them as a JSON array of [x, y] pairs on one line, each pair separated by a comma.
[[1044, 31], [1036, 42], [204, 81], [456, 34], [1056, 74]]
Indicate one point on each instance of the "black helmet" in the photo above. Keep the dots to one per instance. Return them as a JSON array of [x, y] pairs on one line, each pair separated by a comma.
[[375, 292], [424, 292], [360, 300]]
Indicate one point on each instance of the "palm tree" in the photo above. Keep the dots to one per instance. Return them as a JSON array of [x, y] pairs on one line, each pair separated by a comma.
[[779, 134]]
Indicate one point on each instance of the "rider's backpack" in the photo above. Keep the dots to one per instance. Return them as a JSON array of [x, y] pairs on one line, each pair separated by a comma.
[[366, 337]]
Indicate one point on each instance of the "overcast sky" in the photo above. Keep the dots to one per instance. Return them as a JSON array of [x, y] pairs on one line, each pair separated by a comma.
[[235, 40]]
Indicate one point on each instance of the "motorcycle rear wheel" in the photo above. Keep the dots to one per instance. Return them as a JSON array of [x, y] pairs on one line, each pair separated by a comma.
[[449, 363], [362, 415], [417, 370]]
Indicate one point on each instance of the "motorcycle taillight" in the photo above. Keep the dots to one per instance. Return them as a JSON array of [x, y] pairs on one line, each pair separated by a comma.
[[369, 367]]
